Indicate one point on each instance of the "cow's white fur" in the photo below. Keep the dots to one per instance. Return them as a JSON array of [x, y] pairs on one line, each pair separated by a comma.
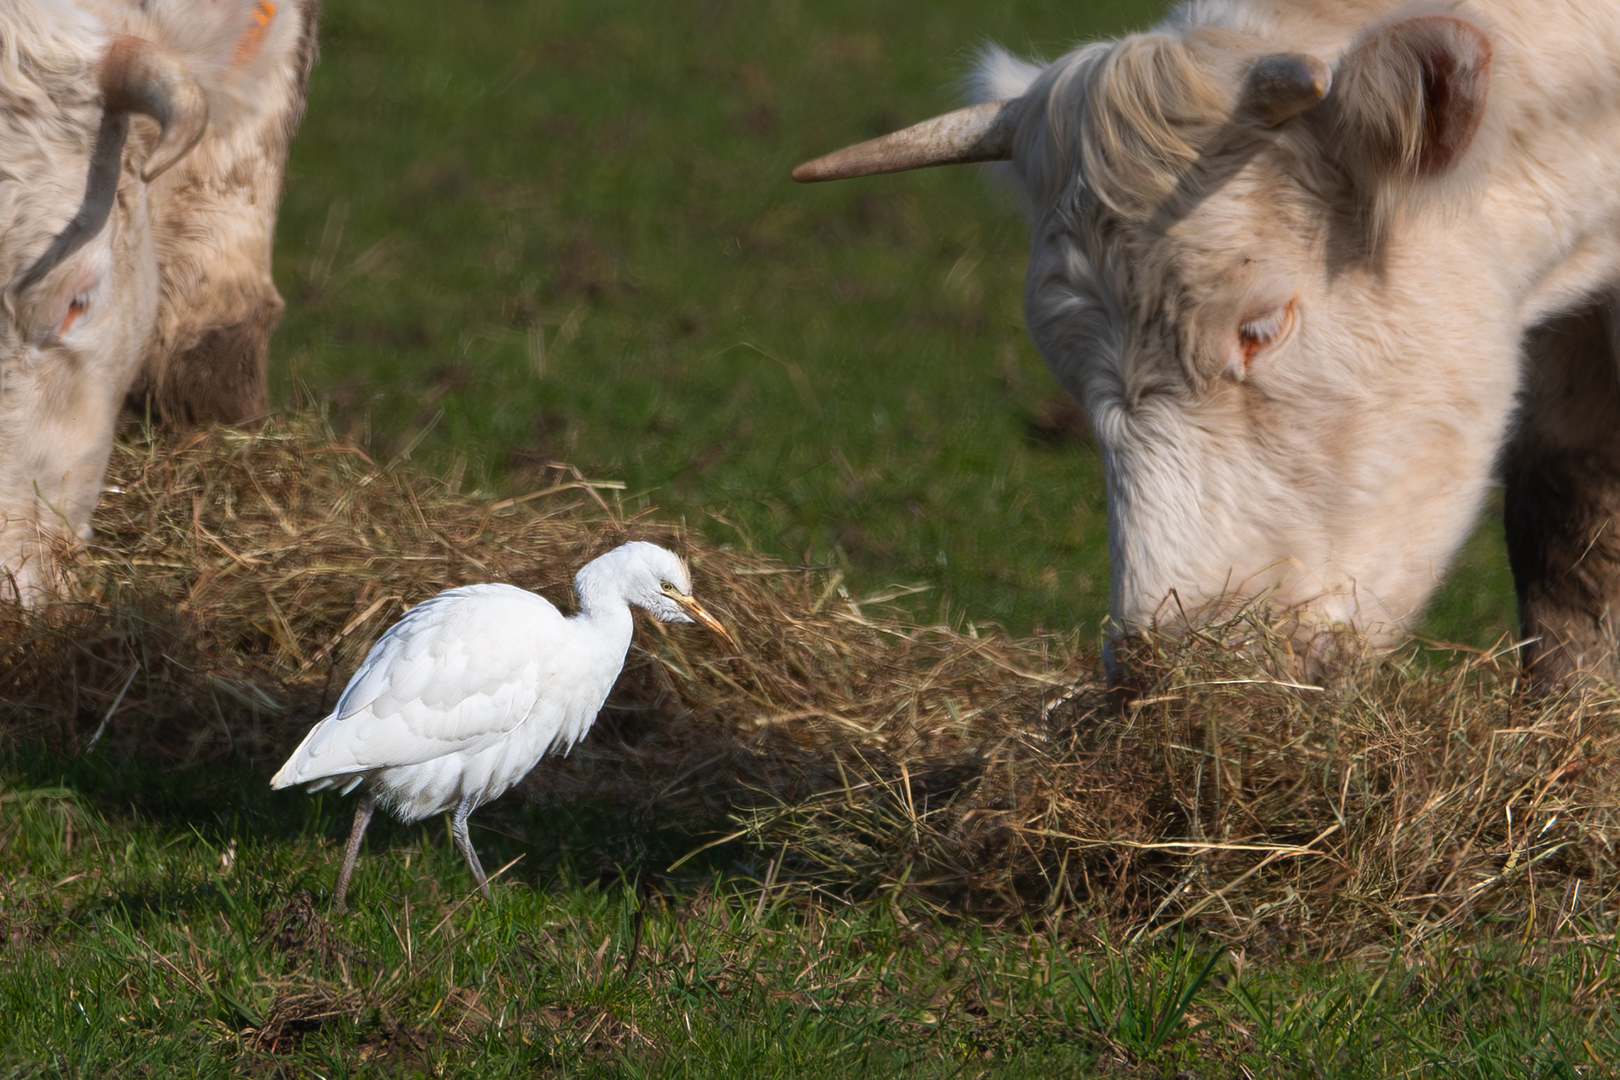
[[61, 385], [214, 218], [1341, 471]]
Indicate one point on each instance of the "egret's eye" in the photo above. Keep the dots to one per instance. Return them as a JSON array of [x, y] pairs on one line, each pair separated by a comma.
[[669, 587]]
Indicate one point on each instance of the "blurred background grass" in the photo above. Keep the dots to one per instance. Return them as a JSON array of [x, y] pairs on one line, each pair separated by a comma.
[[517, 233]]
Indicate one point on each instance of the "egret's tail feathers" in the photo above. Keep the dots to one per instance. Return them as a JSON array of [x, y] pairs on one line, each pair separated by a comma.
[[292, 775], [296, 769], [287, 777], [300, 770]]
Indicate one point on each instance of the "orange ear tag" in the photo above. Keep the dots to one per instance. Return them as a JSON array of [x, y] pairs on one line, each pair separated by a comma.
[[247, 46]]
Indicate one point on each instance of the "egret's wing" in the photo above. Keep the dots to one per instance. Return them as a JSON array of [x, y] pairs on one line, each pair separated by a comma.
[[457, 673]]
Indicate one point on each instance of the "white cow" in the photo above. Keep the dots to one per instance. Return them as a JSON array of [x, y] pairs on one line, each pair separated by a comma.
[[1292, 258], [213, 224], [98, 101]]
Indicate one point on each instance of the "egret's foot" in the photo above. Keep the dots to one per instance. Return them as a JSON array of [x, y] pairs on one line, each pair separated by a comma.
[[458, 830], [362, 818]]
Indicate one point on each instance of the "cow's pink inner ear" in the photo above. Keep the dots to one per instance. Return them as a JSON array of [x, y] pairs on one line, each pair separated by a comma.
[[1454, 87], [1408, 99]]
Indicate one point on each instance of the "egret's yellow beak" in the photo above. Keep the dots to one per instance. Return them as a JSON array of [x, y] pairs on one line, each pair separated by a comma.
[[696, 610]]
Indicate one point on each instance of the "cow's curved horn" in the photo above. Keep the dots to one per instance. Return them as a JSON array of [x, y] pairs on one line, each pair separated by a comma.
[[978, 133], [136, 77], [1281, 86]]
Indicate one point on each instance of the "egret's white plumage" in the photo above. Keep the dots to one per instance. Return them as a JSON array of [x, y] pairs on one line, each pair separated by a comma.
[[462, 696]]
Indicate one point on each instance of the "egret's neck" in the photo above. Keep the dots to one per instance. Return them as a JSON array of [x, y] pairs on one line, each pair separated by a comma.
[[602, 608]]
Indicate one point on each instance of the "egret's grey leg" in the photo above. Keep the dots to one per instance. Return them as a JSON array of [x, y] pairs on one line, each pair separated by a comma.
[[362, 818], [458, 829]]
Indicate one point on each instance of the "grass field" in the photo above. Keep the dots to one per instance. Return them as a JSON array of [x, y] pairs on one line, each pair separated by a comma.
[[519, 234], [178, 940]]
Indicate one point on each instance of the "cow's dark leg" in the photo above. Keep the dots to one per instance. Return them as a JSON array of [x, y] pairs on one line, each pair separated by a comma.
[[1562, 509]]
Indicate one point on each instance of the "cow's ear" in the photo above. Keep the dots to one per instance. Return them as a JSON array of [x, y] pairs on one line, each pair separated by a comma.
[[1408, 98], [236, 50]]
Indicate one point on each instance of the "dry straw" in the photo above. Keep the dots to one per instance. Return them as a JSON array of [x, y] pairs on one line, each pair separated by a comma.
[[237, 579]]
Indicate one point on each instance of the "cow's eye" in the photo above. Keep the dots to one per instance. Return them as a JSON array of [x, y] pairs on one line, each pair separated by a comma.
[[1260, 332], [76, 307], [62, 302]]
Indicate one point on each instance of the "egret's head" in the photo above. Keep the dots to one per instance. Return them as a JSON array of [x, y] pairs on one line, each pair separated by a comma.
[[653, 578]]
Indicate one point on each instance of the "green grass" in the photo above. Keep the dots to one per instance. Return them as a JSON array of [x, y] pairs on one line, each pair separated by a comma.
[[523, 232], [520, 232], [137, 948]]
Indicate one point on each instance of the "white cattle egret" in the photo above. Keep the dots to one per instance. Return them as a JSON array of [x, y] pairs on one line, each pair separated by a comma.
[[461, 697]]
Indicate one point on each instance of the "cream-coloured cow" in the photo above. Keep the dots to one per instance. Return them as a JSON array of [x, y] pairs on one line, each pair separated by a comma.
[[1299, 260], [126, 133], [214, 223]]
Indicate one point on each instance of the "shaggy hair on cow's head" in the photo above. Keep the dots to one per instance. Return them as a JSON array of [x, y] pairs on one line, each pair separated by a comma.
[[1129, 118], [44, 65], [1120, 141], [1147, 125]]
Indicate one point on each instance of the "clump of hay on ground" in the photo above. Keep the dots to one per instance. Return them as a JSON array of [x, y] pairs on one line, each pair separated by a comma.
[[237, 579]]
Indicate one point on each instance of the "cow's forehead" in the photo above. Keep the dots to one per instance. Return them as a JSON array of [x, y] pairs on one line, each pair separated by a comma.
[[50, 109], [1118, 301], [1258, 215], [1257, 220]]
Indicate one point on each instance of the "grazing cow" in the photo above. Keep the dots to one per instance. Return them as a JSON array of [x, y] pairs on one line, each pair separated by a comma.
[[213, 222], [109, 234], [1305, 263]]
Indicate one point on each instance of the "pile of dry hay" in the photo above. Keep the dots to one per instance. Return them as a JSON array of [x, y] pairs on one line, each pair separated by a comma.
[[238, 578]]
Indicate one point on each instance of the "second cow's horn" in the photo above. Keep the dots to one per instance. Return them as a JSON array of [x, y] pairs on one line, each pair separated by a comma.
[[978, 133], [136, 77]]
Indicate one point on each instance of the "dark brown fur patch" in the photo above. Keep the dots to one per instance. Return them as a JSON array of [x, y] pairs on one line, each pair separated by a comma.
[[1562, 507], [223, 378]]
